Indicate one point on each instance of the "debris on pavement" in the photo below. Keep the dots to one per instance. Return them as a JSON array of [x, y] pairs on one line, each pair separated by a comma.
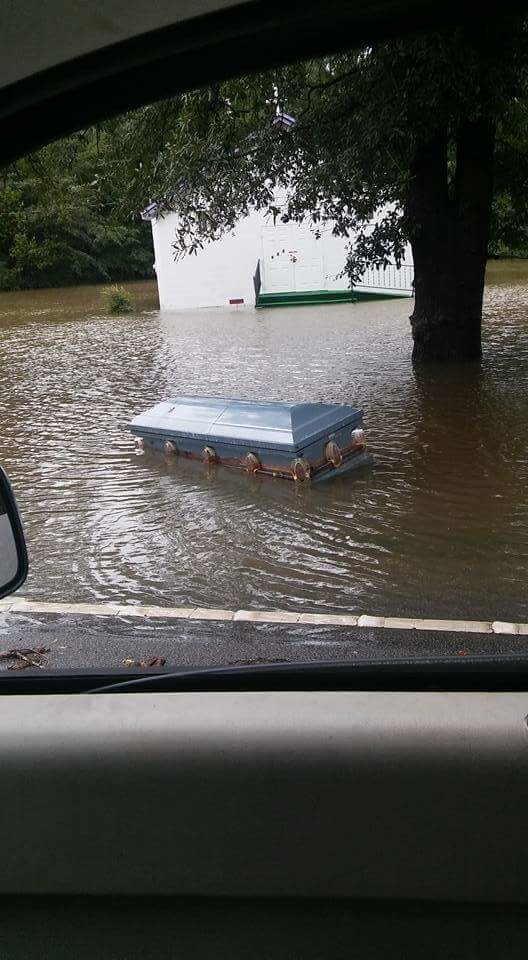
[[255, 660], [25, 657], [149, 662]]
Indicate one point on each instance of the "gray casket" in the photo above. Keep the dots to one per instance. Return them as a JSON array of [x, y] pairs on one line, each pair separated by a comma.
[[298, 441]]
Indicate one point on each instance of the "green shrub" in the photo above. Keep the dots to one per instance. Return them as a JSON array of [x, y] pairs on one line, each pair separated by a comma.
[[118, 300]]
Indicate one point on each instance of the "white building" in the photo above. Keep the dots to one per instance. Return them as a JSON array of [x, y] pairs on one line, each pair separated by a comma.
[[259, 264]]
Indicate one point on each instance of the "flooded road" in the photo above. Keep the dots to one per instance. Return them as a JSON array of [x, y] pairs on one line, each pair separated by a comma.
[[439, 527]]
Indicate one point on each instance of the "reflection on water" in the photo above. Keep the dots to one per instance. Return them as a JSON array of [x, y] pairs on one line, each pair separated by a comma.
[[438, 527]]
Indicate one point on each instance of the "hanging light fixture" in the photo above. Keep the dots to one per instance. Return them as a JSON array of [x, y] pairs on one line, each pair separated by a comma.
[[284, 121]]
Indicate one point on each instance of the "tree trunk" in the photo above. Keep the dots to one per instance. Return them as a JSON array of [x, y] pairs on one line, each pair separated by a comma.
[[449, 233]]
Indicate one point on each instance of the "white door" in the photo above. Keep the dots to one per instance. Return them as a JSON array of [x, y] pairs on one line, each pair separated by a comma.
[[277, 273], [292, 259], [308, 261]]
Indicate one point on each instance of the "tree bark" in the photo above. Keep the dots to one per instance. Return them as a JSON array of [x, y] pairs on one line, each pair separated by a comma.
[[449, 227]]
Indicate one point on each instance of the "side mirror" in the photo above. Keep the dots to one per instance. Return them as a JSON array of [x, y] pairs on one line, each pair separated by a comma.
[[13, 554]]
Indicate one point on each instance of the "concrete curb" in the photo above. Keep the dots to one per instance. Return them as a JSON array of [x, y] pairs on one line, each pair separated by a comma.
[[260, 616]]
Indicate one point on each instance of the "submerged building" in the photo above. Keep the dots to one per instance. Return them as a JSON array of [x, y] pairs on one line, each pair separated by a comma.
[[264, 264]]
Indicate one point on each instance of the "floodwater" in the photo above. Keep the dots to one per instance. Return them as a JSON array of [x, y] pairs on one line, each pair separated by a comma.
[[438, 527]]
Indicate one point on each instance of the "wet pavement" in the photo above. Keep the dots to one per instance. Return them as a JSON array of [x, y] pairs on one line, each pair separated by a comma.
[[106, 642]]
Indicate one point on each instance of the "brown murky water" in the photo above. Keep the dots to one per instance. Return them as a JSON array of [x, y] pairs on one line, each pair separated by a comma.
[[439, 526]]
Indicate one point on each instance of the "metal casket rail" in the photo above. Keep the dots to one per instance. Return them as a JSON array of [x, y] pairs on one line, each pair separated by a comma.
[[297, 441]]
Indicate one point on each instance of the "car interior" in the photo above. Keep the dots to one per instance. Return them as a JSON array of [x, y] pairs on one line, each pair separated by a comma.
[[368, 809]]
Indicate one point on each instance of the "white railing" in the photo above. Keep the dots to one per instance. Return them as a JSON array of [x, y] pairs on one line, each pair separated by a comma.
[[387, 278]]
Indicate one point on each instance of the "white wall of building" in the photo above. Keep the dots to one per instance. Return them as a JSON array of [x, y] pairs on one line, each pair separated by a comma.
[[292, 259], [220, 272]]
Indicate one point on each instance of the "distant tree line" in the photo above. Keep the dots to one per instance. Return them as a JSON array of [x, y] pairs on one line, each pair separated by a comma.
[[62, 222]]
